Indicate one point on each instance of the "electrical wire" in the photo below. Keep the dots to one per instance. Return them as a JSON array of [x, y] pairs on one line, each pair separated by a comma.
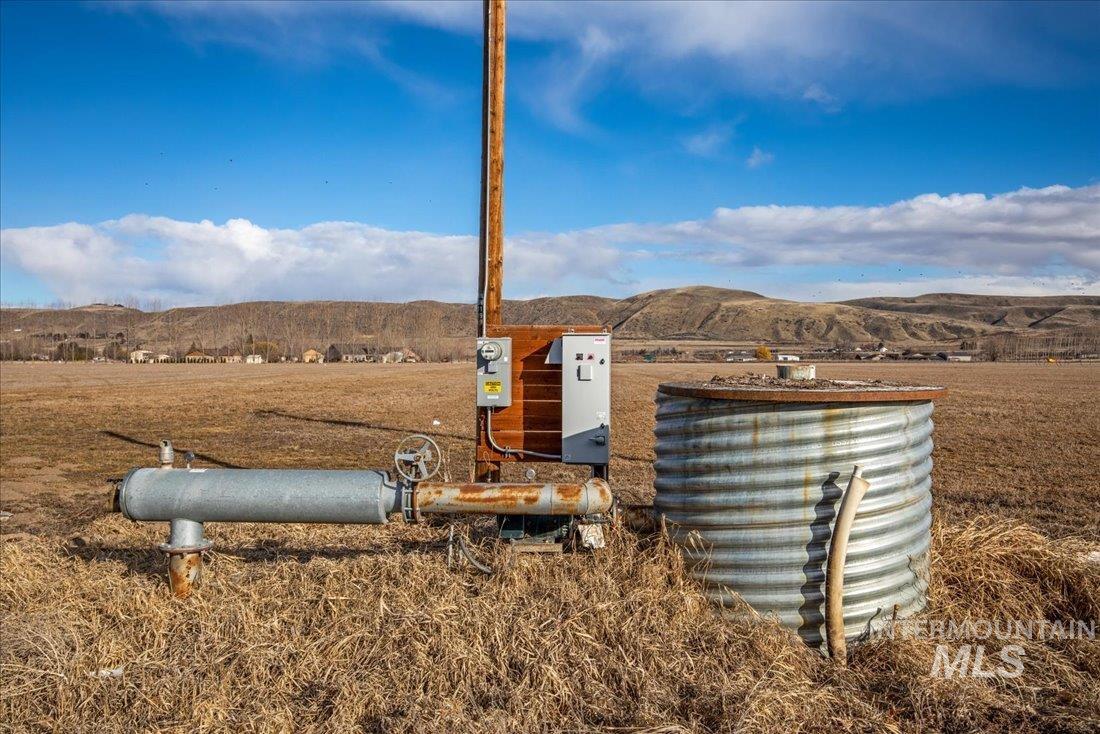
[[466, 552], [520, 452]]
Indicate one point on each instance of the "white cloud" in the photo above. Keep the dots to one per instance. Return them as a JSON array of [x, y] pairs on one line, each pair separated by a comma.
[[1014, 233], [818, 52], [305, 33], [1025, 241], [759, 158], [203, 262], [708, 142], [817, 93], [987, 285], [568, 78]]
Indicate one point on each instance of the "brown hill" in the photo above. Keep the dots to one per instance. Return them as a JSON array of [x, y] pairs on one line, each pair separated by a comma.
[[699, 313], [730, 315], [1016, 312]]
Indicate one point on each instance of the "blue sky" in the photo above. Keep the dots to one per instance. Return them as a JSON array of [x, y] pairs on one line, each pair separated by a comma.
[[213, 152]]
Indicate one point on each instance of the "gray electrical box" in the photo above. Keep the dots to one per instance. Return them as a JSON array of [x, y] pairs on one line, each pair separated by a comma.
[[586, 398], [494, 372]]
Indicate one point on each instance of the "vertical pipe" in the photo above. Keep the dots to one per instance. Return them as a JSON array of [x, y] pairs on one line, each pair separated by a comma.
[[834, 571], [185, 547], [167, 454], [184, 570]]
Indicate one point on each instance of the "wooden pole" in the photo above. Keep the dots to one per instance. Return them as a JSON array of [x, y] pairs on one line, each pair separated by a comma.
[[491, 250], [491, 239]]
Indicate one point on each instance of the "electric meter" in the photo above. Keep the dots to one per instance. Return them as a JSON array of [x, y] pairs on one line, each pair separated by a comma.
[[494, 372], [491, 351]]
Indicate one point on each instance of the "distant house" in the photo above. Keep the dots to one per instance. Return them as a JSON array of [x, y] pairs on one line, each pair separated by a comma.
[[742, 356], [198, 356], [228, 355], [141, 356], [336, 353], [956, 356], [312, 356], [346, 353], [162, 358], [399, 355], [254, 359], [787, 358]]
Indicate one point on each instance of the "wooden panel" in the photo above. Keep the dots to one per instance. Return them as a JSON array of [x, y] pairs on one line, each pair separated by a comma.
[[534, 408], [527, 421], [533, 420], [546, 442], [528, 376]]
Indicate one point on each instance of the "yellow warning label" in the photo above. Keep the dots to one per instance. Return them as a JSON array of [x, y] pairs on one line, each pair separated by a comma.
[[494, 386]]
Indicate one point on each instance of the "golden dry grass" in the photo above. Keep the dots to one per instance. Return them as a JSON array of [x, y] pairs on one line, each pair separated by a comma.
[[317, 628]]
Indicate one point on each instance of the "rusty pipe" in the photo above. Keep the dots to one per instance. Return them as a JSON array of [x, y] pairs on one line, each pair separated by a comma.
[[184, 549], [591, 497], [184, 570]]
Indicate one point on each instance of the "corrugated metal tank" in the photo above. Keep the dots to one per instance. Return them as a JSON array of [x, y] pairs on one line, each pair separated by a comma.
[[750, 480]]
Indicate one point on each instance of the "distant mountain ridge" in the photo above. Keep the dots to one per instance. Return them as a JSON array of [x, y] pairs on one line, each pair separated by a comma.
[[1017, 312], [695, 312]]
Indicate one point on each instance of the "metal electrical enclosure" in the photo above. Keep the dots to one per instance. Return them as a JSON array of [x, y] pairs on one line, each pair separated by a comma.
[[494, 372], [586, 399]]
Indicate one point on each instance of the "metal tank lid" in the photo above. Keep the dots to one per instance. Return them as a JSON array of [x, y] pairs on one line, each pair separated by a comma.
[[758, 388]]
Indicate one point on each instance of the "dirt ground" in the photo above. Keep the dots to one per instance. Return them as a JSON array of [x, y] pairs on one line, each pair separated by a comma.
[[1017, 440], [351, 628]]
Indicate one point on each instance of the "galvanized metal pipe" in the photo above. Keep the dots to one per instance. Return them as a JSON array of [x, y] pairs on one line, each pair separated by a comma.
[[259, 495], [591, 497], [187, 498], [167, 455], [335, 496]]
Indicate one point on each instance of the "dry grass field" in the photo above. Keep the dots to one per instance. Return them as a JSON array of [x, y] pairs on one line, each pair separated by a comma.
[[312, 628]]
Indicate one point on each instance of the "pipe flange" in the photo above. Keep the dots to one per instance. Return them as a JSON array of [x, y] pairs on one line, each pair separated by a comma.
[[410, 508], [179, 550]]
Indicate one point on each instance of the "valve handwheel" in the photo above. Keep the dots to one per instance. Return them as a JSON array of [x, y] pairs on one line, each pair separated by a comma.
[[417, 458]]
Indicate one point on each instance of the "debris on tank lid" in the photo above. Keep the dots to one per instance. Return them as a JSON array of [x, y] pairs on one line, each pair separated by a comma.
[[754, 386], [753, 379]]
